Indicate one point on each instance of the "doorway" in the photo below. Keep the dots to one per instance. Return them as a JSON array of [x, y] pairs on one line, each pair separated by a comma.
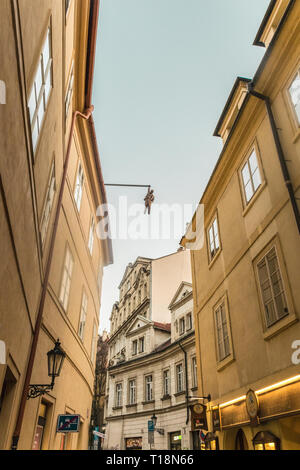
[[175, 440], [241, 441]]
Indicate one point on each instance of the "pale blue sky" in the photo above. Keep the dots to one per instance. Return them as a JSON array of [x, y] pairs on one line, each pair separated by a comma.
[[164, 70]]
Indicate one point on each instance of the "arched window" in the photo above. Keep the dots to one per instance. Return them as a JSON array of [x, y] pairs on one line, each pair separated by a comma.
[[265, 440]]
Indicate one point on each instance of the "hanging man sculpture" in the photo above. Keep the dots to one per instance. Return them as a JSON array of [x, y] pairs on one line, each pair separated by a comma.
[[149, 200]]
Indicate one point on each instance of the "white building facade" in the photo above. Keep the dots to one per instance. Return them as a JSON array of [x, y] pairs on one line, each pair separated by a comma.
[[152, 367]]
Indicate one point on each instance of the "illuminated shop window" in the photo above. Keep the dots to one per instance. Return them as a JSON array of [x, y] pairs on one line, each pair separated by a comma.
[[266, 441], [211, 442]]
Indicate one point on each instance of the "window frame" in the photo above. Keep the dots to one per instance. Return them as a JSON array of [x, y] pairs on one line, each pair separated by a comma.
[[43, 99], [141, 340], [119, 403], [189, 324], [130, 402], [182, 322], [194, 372], [94, 342], [211, 259], [62, 301], [165, 391], [284, 322], [221, 364], [70, 90], [291, 106], [134, 350], [80, 192], [83, 314], [177, 375], [52, 176], [149, 399], [253, 148], [91, 235]]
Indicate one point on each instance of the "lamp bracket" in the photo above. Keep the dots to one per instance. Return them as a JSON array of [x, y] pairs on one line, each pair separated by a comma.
[[38, 389], [160, 431]]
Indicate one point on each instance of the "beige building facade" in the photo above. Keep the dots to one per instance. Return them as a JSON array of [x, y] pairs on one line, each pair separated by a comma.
[[51, 185], [152, 367], [246, 277]]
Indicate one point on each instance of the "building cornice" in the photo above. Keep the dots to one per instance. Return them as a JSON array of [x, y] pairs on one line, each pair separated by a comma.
[[187, 340]]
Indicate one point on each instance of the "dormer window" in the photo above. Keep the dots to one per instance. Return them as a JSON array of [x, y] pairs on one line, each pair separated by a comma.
[[271, 22]]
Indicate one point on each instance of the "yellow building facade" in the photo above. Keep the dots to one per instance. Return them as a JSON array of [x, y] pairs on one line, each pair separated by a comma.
[[246, 277], [51, 185]]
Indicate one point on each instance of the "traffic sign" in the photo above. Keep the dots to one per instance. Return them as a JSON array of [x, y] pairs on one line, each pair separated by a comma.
[[68, 423]]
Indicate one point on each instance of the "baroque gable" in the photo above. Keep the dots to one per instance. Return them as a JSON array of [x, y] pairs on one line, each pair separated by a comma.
[[182, 292], [138, 323]]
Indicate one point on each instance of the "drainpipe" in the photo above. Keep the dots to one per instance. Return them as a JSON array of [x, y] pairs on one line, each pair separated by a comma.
[[186, 384], [282, 160], [86, 115]]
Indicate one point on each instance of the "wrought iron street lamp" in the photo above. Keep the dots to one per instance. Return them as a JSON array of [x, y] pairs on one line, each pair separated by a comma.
[[55, 361], [159, 430]]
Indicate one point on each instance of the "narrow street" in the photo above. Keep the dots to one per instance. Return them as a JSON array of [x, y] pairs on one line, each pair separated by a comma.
[[149, 228]]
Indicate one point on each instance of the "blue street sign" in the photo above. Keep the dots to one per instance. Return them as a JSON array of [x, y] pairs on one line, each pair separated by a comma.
[[150, 425], [68, 423]]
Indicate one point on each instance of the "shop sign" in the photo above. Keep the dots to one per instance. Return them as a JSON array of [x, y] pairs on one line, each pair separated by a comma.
[[134, 443], [199, 420], [252, 406], [216, 419]]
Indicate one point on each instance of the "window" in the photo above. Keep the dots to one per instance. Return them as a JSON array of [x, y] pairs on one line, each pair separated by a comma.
[[223, 343], [213, 239], [189, 323], [69, 91], [79, 186], [51, 188], [94, 343], [91, 235], [134, 347], [294, 92], [272, 289], [149, 388], [141, 345], [266, 441], [179, 378], [83, 315], [194, 372], [40, 91], [66, 280], [118, 395], [132, 392], [251, 177], [67, 5], [166, 382], [181, 326]]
